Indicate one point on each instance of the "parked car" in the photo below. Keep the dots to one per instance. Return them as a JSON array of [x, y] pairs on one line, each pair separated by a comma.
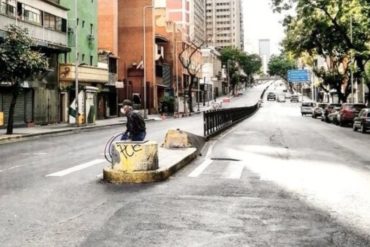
[[281, 98], [348, 112], [327, 110], [318, 110], [271, 96], [294, 98], [362, 121], [333, 116], [307, 108]]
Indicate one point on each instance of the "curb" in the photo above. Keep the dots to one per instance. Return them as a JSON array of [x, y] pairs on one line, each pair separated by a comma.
[[21, 137], [119, 177]]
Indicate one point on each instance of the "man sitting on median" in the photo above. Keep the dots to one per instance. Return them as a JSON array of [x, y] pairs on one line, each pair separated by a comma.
[[135, 126]]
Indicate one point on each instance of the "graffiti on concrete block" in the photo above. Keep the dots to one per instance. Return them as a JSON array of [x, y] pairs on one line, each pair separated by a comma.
[[129, 150]]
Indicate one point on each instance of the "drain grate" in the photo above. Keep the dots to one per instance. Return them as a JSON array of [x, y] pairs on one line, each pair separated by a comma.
[[225, 159]]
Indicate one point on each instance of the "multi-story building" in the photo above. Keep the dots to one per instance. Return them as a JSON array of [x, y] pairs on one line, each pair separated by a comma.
[[46, 22], [107, 56], [78, 69], [211, 74], [198, 21], [190, 16], [178, 11], [224, 23], [264, 53]]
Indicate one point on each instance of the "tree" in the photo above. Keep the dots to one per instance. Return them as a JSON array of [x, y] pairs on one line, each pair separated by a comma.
[[322, 27], [250, 64], [279, 66], [18, 62], [236, 60], [189, 63]]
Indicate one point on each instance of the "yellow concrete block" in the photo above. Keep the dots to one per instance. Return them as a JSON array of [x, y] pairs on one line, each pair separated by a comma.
[[135, 156], [1, 118], [176, 139]]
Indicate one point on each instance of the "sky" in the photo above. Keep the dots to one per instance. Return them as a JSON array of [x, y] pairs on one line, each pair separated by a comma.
[[261, 23]]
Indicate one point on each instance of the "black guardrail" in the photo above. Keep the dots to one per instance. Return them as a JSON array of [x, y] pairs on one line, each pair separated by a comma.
[[216, 121]]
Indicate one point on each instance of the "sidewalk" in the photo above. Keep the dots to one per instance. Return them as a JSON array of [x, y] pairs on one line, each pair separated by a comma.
[[39, 130]]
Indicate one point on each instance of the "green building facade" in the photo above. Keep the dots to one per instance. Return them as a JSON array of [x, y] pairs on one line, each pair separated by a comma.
[[87, 24]]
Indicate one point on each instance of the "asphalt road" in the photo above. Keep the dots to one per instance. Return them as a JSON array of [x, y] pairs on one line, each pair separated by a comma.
[[276, 179]]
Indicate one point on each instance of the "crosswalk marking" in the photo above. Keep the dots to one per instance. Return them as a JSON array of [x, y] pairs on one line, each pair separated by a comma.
[[197, 171], [76, 168], [233, 171]]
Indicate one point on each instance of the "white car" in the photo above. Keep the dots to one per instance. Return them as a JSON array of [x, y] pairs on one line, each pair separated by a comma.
[[307, 108]]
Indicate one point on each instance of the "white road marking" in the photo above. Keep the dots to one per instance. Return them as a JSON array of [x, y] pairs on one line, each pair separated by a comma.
[[197, 171], [11, 168], [76, 168], [233, 171]]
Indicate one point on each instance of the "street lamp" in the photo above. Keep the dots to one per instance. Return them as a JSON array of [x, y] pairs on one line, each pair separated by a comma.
[[177, 80], [144, 55], [76, 65]]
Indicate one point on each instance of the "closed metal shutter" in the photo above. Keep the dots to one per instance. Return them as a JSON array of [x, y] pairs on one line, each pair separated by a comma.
[[19, 108]]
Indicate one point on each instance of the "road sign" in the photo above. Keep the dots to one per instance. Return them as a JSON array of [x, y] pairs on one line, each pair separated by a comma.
[[298, 76]]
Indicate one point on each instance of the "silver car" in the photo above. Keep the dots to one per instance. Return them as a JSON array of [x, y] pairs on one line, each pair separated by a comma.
[[307, 108]]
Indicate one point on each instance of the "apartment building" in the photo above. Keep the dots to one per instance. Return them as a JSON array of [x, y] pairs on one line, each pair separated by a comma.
[[46, 22], [224, 23], [190, 16], [264, 53], [78, 68]]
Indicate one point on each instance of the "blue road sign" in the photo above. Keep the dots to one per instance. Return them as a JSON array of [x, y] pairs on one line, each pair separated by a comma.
[[298, 76]]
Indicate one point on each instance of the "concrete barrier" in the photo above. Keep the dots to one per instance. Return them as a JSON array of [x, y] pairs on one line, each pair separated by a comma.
[[131, 162]]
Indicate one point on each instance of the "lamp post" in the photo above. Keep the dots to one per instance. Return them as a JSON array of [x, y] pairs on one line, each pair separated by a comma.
[[76, 64], [144, 55], [177, 77], [352, 67]]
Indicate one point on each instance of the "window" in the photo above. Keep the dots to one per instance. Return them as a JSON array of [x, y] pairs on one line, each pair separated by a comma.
[[83, 57], [83, 23], [91, 60], [31, 14], [3, 6], [49, 21], [10, 8]]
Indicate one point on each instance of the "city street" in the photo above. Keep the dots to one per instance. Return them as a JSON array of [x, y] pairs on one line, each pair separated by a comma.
[[275, 179]]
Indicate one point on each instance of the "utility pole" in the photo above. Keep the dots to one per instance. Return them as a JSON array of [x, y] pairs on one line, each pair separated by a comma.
[[144, 57], [76, 64], [352, 65]]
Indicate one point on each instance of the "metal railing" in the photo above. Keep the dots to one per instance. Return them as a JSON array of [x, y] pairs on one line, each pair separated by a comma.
[[215, 121]]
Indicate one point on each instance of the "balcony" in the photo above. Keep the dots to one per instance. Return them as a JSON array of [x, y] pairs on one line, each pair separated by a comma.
[[38, 33]]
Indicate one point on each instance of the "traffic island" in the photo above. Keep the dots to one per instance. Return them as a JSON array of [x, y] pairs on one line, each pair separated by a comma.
[[145, 162]]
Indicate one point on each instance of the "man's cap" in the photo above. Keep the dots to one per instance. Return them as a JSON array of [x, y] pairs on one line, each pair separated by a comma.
[[127, 102]]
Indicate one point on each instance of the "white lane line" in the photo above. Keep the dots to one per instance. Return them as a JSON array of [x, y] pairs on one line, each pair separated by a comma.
[[197, 171], [11, 168], [76, 168], [233, 171]]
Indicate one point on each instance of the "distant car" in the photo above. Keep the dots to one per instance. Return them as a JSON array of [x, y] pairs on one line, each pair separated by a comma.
[[348, 112], [318, 110], [271, 96], [307, 108], [328, 109], [294, 98], [281, 98], [362, 121]]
